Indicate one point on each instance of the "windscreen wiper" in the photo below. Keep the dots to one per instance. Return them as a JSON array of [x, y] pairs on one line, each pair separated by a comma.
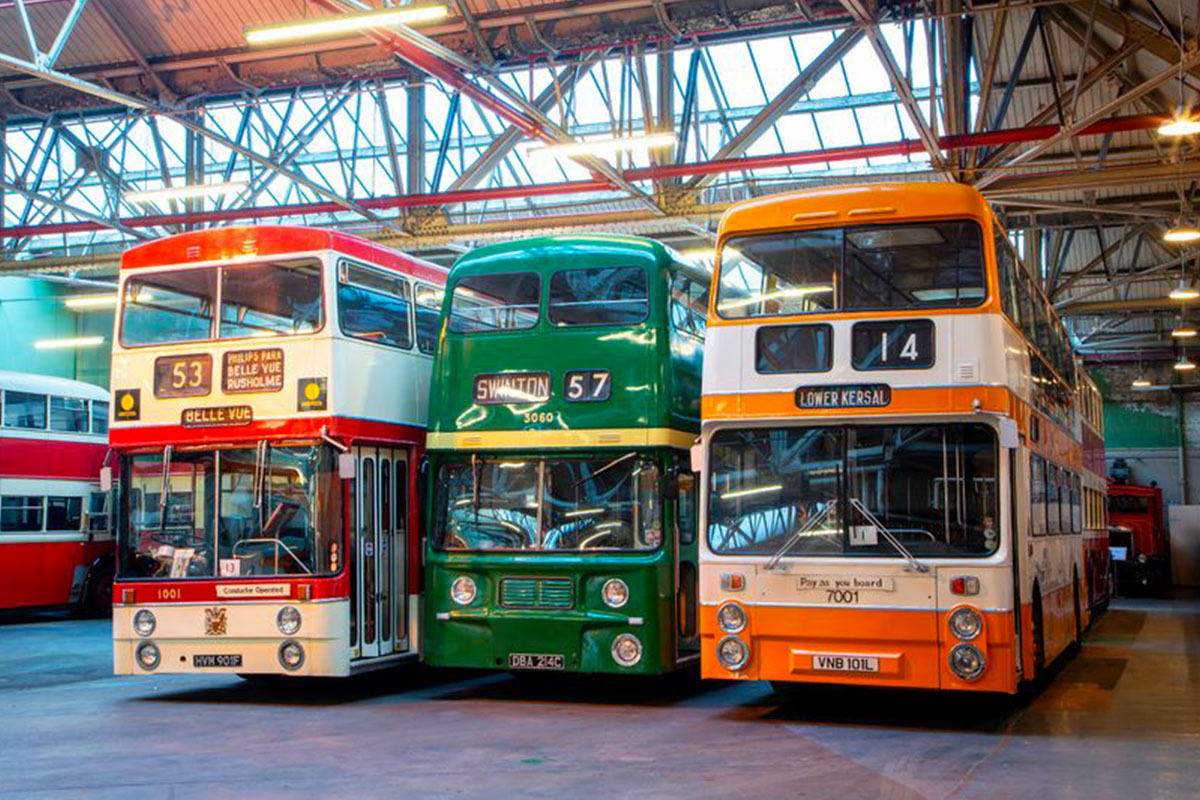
[[913, 564], [605, 468], [808, 525]]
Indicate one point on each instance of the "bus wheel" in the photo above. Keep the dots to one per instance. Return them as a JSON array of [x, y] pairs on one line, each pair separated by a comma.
[[97, 596]]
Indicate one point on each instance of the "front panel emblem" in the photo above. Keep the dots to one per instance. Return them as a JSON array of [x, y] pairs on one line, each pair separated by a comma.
[[127, 404], [215, 623], [312, 395]]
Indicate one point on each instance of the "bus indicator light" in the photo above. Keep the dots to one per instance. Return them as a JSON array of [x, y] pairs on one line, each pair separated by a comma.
[[733, 581], [966, 585]]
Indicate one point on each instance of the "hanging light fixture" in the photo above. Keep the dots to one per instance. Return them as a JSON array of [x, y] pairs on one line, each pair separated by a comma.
[[1140, 382], [1182, 124], [1181, 233], [1183, 364], [1184, 330]]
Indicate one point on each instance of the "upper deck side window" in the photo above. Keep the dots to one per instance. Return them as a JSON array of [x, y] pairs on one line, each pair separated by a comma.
[[689, 304], [428, 315], [862, 268], [495, 302], [374, 305], [256, 300], [599, 296], [24, 410], [37, 411]]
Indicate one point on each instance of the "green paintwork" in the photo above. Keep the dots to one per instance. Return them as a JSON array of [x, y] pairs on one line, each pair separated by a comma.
[[656, 384]]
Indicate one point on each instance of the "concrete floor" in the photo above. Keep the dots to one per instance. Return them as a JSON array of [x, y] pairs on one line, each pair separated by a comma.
[[1121, 720]]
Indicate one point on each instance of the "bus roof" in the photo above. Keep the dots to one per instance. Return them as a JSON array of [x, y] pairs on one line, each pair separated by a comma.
[[543, 253], [215, 244], [47, 384], [859, 204]]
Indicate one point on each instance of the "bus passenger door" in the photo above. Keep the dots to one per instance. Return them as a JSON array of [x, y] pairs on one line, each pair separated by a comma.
[[686, 577], [366, 549], [398, 547]]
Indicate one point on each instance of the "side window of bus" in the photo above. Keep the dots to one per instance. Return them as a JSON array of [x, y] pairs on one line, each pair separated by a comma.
[[99, 416], [21, 514], [429, 310], [1037, 493], [1006, 266], [687, 508], [97, 516], [600, 296], [373, 305], [64, 513], [68, 414], [689, 305], [24, 410]]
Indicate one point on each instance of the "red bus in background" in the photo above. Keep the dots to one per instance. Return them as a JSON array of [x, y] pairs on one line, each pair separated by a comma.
[[270, 391], [1138, 537], [56, 544]]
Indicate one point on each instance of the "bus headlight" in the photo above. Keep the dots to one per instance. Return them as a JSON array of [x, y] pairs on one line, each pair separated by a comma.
[[733, 653], [148, 655], [288, 620], [626, 650], [615, 592], [731, 618], [967, 662], [462, 591], [144, 622], [965, 623], [291, 655]]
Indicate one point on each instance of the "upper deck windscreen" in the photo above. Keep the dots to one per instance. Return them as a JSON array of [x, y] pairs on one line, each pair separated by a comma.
[[233, 302], [861, 268]]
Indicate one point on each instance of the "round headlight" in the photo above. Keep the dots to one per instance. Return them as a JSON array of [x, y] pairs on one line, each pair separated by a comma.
[[1141, 558], [291, 655], [626, 650], [144, 622], [965, 623], [967, 662], [148, 655], [288, 620], [731, 618], [616, 593], [733, 653], [462, 591]]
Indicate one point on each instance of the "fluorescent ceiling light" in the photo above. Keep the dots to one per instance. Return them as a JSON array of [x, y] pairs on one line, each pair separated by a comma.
[[334, 24], [798, 291], [1141, 383], [183, 192], [1182, 234], [1179, 125], [1184, 331], [594, 147], [775, 487], [92, 301], [63, 344]]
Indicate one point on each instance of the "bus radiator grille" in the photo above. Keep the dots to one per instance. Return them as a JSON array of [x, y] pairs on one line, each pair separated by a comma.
[[536, 593]]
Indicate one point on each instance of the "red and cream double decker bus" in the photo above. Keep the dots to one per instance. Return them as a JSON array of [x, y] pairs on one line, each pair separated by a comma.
[[269, 401], [892, 467], [56, 544]]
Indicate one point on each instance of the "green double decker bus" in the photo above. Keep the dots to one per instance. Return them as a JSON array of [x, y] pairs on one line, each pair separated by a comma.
[[561, 505]]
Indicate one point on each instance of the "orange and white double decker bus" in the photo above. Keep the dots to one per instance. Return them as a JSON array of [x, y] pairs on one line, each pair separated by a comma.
[[269, 392], [891, 461], [1093, 477]]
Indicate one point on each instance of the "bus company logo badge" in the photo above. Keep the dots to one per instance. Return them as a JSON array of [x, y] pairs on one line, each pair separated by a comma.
[[215, 622], [127, 405], [512, 388], [312, 394], [219, 417], [863, 395]]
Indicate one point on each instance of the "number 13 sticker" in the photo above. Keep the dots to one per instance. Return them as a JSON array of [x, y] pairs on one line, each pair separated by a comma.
[[587, 385]]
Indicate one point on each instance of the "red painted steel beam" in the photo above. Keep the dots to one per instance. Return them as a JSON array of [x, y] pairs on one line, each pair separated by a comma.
[[991, 139]]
